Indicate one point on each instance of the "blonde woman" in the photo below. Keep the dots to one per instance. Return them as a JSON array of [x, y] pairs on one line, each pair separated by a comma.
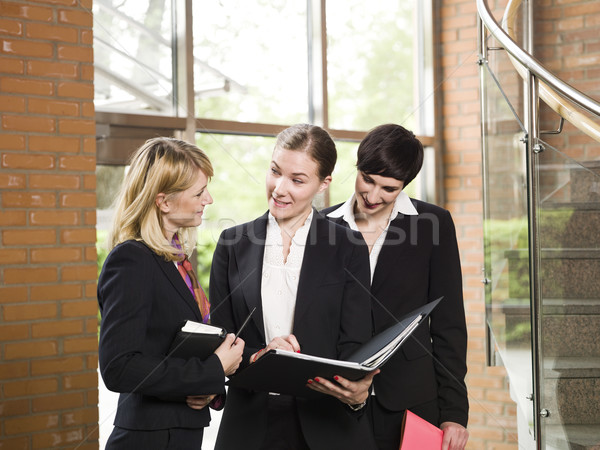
[[146, 290]]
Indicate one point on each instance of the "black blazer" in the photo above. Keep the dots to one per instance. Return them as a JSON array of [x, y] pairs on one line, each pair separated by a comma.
[[331, 319], [418, 263], [144, 301]]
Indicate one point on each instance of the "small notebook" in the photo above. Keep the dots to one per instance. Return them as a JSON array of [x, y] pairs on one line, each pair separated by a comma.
[[196, 339]]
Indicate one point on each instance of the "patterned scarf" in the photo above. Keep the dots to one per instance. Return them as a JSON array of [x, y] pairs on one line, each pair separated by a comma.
[[189, 276]]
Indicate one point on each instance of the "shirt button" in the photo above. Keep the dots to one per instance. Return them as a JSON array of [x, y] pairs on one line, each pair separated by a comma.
[[278, 292]]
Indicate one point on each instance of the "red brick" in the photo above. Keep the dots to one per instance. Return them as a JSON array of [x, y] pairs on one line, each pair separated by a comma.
[[80, 416], [76, 90], [79, 272], [28, 200], [89, 218], [55, 255], [15, 369], [87, 380], [56, 328], [55, 292], [30, 311], [87, 72], [28, 237], [86, 37], [45, 181], [13, 256], [89, 145], [53, 217], [27, 161], [70, 438], [53, 107], [12, 141], [23, 11], [78, 200], [75, 53], [77, 126], [76, 17], [53, 33], [31, 423], [13, 294], [27, 48], [12, 103], [12, 181], [79, 309], [28, 86], [57, 402], [11, 65], [27, 123], [80, 345], [56, 366], [30, 349], [78, 163], [91, 254], [11, 27], [54, 144], [78, 236], [89, 182]]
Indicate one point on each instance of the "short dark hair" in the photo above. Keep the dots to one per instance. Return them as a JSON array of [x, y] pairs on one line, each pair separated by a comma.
[[390, 150], [313, 140]]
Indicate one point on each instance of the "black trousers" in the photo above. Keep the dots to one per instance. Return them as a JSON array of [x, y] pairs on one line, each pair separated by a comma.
[[283, 425], [169, 439], [387, 424]]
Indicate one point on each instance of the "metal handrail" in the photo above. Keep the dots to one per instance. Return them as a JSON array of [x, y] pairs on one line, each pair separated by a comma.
[[550, 86]]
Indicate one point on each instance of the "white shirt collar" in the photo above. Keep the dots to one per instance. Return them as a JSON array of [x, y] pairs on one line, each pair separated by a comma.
[[402, 205]]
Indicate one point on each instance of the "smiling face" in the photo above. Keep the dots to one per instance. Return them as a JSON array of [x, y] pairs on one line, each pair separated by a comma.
[[185, 209], [292, 182], [375, 195]]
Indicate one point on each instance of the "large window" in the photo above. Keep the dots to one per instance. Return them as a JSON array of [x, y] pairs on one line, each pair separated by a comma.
[[230, 74]]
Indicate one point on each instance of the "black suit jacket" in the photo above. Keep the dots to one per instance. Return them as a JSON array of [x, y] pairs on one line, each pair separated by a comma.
[[331, 319], [419, 262], [144, 301]]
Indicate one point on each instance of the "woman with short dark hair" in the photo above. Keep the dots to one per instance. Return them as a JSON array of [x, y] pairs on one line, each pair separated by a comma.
[[414, 259]]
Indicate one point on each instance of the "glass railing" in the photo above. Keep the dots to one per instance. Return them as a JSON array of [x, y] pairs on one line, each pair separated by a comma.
[[541, 218]]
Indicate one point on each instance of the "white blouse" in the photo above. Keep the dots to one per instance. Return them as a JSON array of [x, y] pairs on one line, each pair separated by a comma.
[[402, 205], [279, 285]]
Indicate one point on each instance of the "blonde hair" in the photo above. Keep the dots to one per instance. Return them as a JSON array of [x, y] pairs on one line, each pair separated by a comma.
[[162, 165]]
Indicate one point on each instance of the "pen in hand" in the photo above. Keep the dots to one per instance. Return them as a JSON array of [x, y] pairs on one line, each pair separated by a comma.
[[244, 324]]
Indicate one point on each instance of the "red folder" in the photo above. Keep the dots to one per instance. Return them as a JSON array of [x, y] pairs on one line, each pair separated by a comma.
[[418, 434]]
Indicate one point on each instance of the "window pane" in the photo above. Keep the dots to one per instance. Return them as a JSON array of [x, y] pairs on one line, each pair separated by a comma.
[[133, 56], [370, 63], [251, 60]]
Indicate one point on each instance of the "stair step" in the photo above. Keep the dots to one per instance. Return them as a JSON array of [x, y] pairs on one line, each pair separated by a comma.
[[572, 367], [564, 273], [573, 437], [570, 226]]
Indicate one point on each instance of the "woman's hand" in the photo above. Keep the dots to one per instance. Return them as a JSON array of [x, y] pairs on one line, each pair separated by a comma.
[[346, 391], [230, 353], [198, 401], [455, 436], [289, 343]]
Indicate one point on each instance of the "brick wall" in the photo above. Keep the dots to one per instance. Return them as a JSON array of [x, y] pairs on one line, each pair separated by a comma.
[[492, 418], [48, 325]]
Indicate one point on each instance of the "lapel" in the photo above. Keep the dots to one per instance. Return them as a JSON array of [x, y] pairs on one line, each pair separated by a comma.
[[249, 254], [172, 274], [313, 265]]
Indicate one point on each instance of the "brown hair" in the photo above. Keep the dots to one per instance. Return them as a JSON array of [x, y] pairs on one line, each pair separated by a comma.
[[313, 140]]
